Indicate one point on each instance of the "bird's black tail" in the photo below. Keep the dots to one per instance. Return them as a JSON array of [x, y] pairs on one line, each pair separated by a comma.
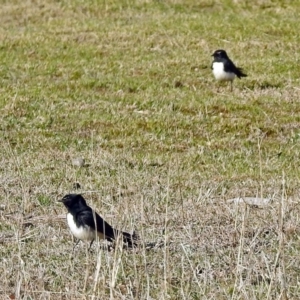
[[131, 240], [240, 73]]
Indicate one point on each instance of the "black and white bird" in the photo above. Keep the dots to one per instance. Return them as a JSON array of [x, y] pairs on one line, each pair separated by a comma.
[[85, 224], [224, 69]]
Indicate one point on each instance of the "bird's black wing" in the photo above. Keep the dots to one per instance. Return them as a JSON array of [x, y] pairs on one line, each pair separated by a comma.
[[90, 218], [229, 66], [104, 228]]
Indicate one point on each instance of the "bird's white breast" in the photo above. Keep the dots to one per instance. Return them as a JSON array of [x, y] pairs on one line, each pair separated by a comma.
[[82, 232], [220, 74]]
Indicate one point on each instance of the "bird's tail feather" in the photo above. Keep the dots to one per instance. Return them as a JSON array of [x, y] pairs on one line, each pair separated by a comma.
[[130, 239], [240, 73]]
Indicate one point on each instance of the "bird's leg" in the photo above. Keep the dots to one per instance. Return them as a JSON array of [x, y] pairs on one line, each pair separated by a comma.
[[77, 242], [230, 85], [92, 241]]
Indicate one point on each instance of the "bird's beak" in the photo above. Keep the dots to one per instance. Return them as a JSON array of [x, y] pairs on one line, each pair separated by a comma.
[[59, 200]]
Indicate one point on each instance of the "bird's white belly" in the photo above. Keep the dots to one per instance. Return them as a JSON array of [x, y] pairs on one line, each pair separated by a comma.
[[82, 232], [220, 74]]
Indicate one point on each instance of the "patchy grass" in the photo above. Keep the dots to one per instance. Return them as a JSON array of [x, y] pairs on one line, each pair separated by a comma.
[[127, 85]]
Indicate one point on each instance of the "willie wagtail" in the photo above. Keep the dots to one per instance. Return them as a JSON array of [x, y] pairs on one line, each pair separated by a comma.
[[224, 69], [86, 224]]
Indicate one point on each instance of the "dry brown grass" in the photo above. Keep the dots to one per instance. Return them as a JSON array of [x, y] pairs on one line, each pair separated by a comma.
[[212, 249]]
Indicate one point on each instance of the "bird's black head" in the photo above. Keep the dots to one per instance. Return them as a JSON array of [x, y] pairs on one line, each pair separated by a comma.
[[220, 54], [72, 201]]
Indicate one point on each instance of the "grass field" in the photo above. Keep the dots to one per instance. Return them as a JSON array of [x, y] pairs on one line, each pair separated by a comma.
[[127, 86]]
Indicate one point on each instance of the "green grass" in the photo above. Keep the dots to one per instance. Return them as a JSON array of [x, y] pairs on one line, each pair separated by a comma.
[[127, 85]]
